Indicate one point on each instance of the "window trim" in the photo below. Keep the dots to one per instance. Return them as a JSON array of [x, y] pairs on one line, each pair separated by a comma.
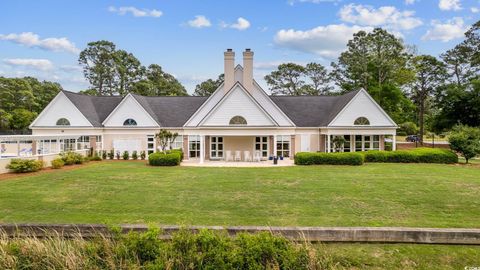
[[237, 118], [130, 124], [63, 119]]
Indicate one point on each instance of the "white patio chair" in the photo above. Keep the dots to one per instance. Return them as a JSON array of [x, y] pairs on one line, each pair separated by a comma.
[[228, 156], [238, 155], [246, 156], [257, 157]]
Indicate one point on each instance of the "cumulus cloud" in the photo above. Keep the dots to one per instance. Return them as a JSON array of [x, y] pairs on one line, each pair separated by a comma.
[[241, 24], [451, 29], [410, 2], [39, 64], [475, 10], [327, 41], [200, 21], [30, 39], [449, 5], [136, 12], [292, 2], [387, 16]]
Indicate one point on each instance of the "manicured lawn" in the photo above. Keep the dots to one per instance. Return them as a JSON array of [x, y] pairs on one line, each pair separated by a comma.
[[415, 195]]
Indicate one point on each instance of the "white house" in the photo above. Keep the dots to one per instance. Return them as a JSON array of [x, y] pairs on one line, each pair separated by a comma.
[[238, 118]]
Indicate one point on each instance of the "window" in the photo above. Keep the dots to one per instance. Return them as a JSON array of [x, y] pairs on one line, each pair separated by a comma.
[[345, 145], [63, 122], [216, 147], [194, 146], [83, 142], [238, 120], [150, 144], [367, 142], [283, 146], [67, 145], [376, 142], [130, 122], [361, 121], [177, 143], [261, 144], [98, 142]]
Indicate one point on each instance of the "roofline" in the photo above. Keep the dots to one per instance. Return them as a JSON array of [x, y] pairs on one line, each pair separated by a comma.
[[203, 104], [138, 103], [237, 83], [274, 104]]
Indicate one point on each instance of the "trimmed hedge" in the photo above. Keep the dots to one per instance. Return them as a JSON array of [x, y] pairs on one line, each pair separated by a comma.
[[418, 155], [307, 158], [25, 165], [162, 159], [70, 158]]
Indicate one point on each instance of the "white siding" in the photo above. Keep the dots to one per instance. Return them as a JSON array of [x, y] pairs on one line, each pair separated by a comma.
[[129, 108], [268, 105], [238, 103], [206, 108], [61, 107], [362, 105]]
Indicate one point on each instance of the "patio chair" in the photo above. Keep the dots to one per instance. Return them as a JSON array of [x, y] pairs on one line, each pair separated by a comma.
[[228, 156], [238, 155], [257, 157], [246, 156]]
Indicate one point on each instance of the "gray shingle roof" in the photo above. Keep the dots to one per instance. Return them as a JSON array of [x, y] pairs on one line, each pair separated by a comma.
[[173, 111], [312, 111]]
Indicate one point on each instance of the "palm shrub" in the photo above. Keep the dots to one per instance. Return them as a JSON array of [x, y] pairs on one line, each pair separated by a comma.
[[117, 154], [24, 165], [143, 155], [104, 154], [134, 155], [125, 155], [111, 154]]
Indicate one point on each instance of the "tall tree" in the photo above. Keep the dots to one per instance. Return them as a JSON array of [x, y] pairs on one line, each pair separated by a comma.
[[319, 79], [128, 70], [206, 88], [430, 75], [287, 80], [159, 83], [99, 67], [43, 92]]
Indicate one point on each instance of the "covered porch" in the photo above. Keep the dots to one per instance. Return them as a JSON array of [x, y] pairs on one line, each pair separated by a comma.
[[227, 146], [359, 139]]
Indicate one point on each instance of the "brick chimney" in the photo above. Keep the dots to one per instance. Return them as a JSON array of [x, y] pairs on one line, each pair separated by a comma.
[[247, 80], [229, 69]]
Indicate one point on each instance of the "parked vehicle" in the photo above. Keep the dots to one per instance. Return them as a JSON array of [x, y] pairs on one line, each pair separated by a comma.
[[412, 138]]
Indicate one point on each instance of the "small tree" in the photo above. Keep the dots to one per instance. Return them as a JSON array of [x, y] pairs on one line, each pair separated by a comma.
[[165, 138], [338, 143], [466, 141]]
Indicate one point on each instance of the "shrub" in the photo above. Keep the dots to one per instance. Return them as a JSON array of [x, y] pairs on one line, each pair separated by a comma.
[[117, 154], [466, 141], [95, 158], [307, 158], [25, 165], [409, 128], [104, 154], [70, 158], [418, 155], [57, 163], [401, 133], [179, 151], [111, 154], [134, 155], [162, 159], [143, 155], [125, 155]]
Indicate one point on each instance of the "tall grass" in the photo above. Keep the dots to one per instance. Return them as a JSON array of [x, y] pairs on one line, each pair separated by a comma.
[[203, 250]]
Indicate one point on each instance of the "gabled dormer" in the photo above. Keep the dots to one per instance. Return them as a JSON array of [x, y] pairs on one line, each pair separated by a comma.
[[130, 113]]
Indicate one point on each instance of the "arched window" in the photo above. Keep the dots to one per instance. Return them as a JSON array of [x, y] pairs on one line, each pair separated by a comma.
[[238, 120], [361, 121], [63, 122], [130, 122]]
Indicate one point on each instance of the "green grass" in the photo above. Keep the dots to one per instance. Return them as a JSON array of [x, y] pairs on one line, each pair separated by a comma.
[[415, 195]]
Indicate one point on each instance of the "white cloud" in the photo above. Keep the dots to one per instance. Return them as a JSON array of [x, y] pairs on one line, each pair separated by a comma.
[[136, 12], [292, 2], [449, 5], [475, 9], [274, 64], [241, 24], [452, 29], [327, 41], [387, 16], [39, 64], [200, 21], [30, 39], [410, 2]]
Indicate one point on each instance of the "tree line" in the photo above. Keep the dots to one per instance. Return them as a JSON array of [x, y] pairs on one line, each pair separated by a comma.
[[414, 89]]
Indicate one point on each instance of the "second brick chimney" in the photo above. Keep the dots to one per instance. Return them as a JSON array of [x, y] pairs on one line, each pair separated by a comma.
[[229, 69], [247, 79]]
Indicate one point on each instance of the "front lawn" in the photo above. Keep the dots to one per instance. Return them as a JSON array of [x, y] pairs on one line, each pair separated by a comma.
[[415, 195]]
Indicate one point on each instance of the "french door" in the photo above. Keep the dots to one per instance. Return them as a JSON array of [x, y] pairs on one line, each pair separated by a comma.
[[261, 144], [216, 147]]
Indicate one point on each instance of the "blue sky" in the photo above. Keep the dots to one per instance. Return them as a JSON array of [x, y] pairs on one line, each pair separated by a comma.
[[187, 38]]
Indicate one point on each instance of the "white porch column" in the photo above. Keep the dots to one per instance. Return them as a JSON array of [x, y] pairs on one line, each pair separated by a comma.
[[394, 142], [274, 145], [202, 148], [328, 144], [18, 148]]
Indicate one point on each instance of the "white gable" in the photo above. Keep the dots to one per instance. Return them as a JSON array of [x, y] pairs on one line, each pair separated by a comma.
[[61, 107], [238, 102], [362, 105], [129, 108], [259, 96]]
